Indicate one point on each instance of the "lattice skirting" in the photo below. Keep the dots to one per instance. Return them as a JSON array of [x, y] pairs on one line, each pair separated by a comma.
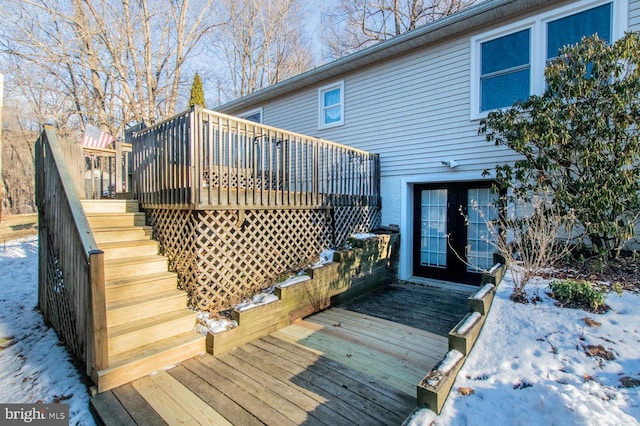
[[223, 256], [56, 301]]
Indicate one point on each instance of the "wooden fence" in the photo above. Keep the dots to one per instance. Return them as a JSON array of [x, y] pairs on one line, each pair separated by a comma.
[[71, 293], [205, 160]]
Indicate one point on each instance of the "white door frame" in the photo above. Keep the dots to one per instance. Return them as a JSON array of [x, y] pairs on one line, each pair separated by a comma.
[[405, 268]]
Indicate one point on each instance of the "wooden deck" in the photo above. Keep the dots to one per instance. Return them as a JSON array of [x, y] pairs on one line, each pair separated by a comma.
[[428, 308], [336, 367]]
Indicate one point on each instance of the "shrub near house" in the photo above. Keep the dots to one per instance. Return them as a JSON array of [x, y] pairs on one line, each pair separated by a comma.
[[580, 140]]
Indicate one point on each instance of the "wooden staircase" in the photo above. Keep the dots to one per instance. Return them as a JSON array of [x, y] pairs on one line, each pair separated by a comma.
[[148, 324]]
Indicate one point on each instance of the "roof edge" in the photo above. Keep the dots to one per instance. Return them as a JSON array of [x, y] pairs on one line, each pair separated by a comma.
[[448, 26]]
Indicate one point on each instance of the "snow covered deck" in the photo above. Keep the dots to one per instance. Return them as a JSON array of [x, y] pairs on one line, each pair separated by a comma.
[[335, 367]]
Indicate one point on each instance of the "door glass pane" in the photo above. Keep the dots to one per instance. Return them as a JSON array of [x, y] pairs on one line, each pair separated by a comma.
[[433, 228], [481, 208]]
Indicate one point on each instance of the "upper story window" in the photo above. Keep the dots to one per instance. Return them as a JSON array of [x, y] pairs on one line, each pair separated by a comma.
[[331, 105], [505, 70], [253, 115], [508, 63], [571, 29]]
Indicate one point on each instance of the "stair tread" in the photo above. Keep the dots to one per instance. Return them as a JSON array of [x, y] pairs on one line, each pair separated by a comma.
[[120, 228], [134, 260], [166, 294], [128, 243], [110, 206], [155, 320], [155, 348], [140, 279], [107, 214]]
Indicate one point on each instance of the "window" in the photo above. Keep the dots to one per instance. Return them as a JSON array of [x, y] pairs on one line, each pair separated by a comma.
[[571, 29], [253, 115], [331, 106], [508, 63], [505, 75]]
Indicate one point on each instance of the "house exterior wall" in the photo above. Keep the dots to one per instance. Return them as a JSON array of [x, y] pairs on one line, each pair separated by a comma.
[[414, 111], [634, 15]]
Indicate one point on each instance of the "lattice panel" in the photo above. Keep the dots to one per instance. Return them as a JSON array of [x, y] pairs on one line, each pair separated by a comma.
[[59, 304], [241, 253], [175, 231], [223, 256], [350, 220]]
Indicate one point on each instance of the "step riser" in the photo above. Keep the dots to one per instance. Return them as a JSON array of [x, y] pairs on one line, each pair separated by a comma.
[[110, 206], [115, 377], [139, 338], [129, 219], [133, 251], [113, 272], [123, 292], [148, 309]]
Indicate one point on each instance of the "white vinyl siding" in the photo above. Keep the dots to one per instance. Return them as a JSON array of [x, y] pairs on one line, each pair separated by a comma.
[[422, 120], [634, 16]]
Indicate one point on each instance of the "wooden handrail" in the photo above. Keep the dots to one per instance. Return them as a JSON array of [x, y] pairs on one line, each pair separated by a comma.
[[71, 292], [71, 195]]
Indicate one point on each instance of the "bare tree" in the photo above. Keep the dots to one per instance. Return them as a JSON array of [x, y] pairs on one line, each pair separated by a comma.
[[107, 62], [17, 156], [262, 44], [356, 24]]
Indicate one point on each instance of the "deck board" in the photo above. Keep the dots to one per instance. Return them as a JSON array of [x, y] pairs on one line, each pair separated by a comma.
[[162, 402], [345, 391], [386, 368], [402, 344], [337, 367], [345, 405], [220, 402], [220, 383], [138, 408], [263, 369], [110, 410], [427, 308]]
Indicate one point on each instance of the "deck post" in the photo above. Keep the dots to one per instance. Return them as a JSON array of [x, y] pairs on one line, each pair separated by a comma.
[[195, 129], [118, 185], [98, 312]]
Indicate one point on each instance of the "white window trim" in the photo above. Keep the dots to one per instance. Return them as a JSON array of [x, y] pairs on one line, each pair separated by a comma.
[[537, 25], [252, 112], [321, 124]]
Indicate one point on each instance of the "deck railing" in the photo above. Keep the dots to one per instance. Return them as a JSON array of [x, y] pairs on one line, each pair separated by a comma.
[[107, 171], [71, 292], [206, 160], [99, 172]]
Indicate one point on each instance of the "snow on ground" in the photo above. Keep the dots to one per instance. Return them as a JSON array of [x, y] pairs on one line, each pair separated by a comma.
[[34, 366], [530, 366]]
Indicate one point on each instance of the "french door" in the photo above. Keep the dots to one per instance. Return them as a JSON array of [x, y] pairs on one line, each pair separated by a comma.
[[445, 246]]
